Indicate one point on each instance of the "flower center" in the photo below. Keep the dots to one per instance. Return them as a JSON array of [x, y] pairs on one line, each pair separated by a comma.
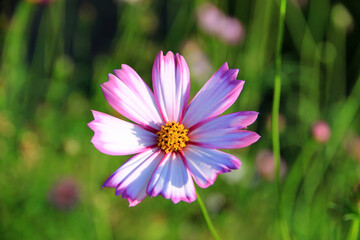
[[172, 137]]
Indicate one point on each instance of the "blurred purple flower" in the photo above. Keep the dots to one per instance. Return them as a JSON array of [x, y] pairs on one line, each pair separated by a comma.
[[321, 131], [175, 143], [64, 194], [213, 21], [265, 165]]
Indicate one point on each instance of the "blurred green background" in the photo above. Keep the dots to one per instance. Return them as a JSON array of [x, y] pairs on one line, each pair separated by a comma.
[[54, 55]]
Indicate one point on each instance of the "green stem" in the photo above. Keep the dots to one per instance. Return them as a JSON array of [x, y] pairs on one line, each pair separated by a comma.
[[275, 118], [207, 218], [277, 92]]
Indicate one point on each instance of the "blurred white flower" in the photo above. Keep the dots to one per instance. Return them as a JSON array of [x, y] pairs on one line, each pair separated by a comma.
[[71, 146], [215, 202], [342, 18], [234, 177]]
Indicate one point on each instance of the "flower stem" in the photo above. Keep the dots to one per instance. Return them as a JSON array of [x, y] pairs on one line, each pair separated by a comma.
[[275, 118], [207, 218]]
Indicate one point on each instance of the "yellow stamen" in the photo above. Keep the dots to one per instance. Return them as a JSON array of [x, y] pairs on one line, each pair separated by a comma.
[[172, 137]]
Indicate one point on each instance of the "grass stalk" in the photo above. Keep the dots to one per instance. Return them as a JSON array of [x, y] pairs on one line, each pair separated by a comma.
[[275, 117]]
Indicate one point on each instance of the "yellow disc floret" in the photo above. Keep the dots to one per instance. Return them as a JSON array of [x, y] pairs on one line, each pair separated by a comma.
[[172, 137]]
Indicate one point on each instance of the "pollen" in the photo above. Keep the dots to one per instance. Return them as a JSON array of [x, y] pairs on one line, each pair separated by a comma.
[[172, 137]]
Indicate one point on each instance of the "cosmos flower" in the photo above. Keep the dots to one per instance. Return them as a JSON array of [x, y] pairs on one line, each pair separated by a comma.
[[174, 142]]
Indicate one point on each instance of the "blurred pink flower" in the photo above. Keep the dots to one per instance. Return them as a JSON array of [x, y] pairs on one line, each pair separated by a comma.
[[208, 17], [199, 65], [231, 31], [265, 165], [175, 143], [64, 194], [213, 21], [321, 131]]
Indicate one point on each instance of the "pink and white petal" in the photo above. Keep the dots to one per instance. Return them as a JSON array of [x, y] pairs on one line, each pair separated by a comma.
[[205, 164], [217, 95], [114, 136], [172, 180], [223, 124], [131, 97], [225, 139], [132, 178], [171, 84]]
